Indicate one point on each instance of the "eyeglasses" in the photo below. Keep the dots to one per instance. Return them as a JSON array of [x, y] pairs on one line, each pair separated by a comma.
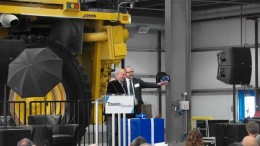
[[130, 72]]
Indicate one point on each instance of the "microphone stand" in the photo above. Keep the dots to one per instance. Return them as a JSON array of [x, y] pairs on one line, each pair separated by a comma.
[[5, 102]]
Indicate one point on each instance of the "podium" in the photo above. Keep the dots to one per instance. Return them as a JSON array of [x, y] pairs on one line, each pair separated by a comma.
[[115, 104]]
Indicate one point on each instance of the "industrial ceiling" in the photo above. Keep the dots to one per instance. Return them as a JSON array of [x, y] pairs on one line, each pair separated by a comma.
[[156, 8], [200, 9]]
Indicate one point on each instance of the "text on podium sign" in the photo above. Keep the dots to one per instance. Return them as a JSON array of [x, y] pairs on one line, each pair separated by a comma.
[[119, 104]]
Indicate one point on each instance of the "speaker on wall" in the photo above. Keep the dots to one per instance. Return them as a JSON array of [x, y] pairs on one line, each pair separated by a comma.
[[234, 74], [235, 65], [235, 56]]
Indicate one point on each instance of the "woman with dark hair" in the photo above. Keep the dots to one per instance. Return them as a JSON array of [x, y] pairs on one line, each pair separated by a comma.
[[195, 138]]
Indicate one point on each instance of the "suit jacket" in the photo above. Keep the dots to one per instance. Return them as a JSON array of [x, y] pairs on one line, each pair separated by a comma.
[[114, 87], [139, 84]]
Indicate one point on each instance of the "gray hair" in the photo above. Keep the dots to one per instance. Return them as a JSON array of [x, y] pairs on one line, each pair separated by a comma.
[[145, 144], [28, 142], [138, 141]]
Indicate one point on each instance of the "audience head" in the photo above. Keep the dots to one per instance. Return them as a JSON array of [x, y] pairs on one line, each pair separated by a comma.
[[145, 144], [249, 141], [252, 128], [25, 142], [120, 75], [129, 72], [93, 145], [195, 138], [138, 141], [235, 144]]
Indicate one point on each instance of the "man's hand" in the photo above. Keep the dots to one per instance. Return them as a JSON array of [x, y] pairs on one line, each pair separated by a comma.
[[163, 83]]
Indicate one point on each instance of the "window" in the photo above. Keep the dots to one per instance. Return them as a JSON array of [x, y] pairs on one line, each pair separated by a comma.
[[246, 104]]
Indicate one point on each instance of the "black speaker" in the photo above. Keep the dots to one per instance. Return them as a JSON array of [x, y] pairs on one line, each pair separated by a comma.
[[235, 65], [235, 56], [236, 131], [234, 74]]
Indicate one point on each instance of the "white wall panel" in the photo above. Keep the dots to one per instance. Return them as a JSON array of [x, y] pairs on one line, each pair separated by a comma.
[[142, 62], [142, 41], [225, 32], [216, 106], [216, 33]]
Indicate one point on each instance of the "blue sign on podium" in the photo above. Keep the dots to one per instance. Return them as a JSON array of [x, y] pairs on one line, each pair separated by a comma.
[[151, 129]]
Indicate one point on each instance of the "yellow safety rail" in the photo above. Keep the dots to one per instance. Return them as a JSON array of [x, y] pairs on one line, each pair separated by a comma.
[[199, 119]]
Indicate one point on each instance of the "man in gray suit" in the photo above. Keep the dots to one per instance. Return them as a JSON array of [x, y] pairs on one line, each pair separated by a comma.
[[130, 83]]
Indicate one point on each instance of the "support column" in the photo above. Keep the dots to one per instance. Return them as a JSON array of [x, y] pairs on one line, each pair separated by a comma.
[[178, 56]]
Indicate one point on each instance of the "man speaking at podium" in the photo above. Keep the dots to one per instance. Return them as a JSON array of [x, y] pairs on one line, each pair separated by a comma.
[[115, 87]]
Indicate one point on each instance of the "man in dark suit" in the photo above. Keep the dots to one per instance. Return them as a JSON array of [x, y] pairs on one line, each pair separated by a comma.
[[115, 87], [137, 84]]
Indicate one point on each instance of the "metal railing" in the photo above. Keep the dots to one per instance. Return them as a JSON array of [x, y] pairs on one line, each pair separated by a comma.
[[11, 107], [82, 109]]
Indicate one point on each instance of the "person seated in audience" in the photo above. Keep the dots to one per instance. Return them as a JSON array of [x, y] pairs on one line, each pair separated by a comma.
[[252, 129], [235, 144], [25, 142], [138, 141], [195, 138]]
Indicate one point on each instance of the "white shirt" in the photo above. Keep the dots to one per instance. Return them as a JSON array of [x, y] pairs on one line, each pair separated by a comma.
[[128, 89]]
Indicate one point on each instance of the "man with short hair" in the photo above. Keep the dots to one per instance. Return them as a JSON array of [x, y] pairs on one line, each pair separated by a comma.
[[252, 129], [25, 142]]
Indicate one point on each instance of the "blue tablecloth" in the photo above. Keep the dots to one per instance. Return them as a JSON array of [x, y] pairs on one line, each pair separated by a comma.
[[151, 129]]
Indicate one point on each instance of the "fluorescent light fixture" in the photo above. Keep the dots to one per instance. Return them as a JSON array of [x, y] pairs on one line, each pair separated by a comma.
[[143, 29]]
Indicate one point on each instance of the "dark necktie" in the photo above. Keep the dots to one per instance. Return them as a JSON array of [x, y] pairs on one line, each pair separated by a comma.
[[132, 92], [131, 86]]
